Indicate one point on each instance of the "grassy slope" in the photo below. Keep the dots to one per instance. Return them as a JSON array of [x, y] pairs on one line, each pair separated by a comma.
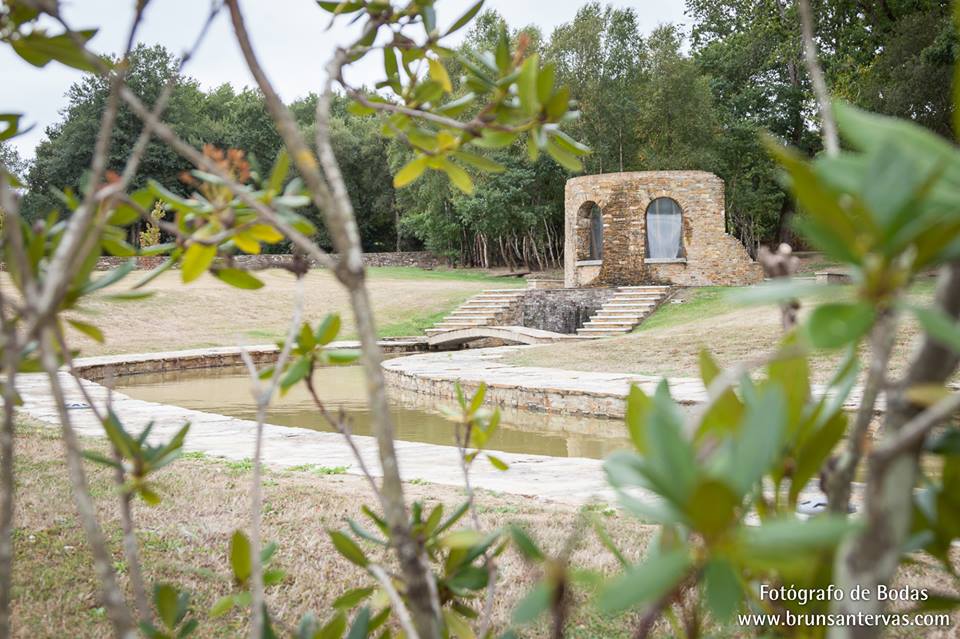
[[210, 313], [669, 341], [184, 540]]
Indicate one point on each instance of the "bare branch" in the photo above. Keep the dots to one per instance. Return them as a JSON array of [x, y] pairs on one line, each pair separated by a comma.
[[881, 346], [262, 395], [830, 141], [111, 595], [403, 615]]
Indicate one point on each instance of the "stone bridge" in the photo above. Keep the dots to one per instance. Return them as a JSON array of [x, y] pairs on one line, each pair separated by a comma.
[[508, 334]]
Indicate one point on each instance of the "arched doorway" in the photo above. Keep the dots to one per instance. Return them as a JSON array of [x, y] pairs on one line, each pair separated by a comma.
[[591, 235], [664, 225]]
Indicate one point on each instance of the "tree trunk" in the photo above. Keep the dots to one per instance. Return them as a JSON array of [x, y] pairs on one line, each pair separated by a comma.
[[871, 557]]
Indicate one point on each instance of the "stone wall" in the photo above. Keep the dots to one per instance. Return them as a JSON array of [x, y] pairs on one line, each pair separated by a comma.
[[420, 259], [712, 257], [561, 310]]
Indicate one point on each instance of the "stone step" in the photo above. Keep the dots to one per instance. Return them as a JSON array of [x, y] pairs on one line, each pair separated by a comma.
[[503, 291], [605, 315], [606, 321], [481, 306], [636, 296], [459, 315], [650, 287], [601, 331], [630, 305], [492, 300], [460, 323]]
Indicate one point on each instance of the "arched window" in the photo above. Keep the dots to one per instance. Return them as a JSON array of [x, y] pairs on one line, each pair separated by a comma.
[[596, 233], [663, 229]]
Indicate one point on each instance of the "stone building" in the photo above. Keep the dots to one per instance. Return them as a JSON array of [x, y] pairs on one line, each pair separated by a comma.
[[652, 227]]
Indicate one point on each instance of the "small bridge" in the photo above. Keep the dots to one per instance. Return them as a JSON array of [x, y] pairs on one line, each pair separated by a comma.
[[508, 334]]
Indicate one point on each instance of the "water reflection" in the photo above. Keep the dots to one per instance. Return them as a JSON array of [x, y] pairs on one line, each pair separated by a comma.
[[227, 391]]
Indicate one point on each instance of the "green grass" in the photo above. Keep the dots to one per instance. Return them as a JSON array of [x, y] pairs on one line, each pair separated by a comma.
[[319, 470], [414, 325], [701, 302], [414, 273]]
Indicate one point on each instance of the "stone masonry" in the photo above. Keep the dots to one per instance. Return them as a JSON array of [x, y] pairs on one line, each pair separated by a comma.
[[710, 255]]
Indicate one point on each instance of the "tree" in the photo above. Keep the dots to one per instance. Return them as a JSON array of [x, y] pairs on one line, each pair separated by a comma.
[[600, 56]]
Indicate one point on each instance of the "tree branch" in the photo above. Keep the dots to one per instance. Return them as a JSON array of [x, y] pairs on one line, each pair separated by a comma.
[[830, 141]]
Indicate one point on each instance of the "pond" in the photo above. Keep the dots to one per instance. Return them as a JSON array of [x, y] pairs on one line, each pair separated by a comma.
[[417, 417]]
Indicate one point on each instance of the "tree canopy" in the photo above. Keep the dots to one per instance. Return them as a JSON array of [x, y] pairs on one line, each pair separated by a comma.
[[663, 100]]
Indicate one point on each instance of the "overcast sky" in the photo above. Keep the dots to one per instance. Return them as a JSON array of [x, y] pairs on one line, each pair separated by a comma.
[[289, 36]]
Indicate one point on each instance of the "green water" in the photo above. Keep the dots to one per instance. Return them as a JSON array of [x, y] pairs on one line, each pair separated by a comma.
[[417, 417]]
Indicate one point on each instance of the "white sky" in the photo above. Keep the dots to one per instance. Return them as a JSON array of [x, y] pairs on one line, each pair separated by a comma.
[[289, 36]]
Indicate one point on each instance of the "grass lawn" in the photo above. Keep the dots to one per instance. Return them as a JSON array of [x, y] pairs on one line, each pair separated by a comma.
[[207, 312], [185, 539], [669, 341]]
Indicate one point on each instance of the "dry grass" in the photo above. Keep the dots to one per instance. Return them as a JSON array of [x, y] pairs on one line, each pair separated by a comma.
[[207, 312], [670, 341], [184, 540]]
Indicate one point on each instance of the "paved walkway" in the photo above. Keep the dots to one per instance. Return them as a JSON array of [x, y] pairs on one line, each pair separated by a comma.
[[562, 479], [539, 388]]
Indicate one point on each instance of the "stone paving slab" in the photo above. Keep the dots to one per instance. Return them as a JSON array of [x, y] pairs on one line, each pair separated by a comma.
[[561, 479], [552, 390]]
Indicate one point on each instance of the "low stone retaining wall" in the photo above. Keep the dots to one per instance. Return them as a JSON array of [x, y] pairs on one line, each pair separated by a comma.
[[100, 368], [561, 310], [419, 259]]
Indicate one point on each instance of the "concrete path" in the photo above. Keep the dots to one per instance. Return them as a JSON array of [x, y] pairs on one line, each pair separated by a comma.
[[539, 388], [563, 479]]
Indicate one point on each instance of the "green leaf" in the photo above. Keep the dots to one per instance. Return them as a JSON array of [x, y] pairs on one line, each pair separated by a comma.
[[939, 326], [87, 329], [340, 356], [361, 625], [410, 172], [196, 260], [238, 278], [637, 413], [438, 73], [670, 457], [165, 598], [39, 49], [457, 625], [348, 548], [328, 329], [722, 589], [461, 539], [296, 372], [712, 508], [527, 85], [460, 178], [279, 172], [352, 598], [534, 603], [465, 18], [815, 450], [791, 536], [563, 157], [498, 463], [479, 162], [726, 413], [836, 325], [759, 441], [240, 559], [527, 547], [334, 628], [644, 582], [222, 606]]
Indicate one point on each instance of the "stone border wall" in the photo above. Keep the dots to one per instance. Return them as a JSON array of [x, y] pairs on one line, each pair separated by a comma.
[[99, 368], [419, 259]]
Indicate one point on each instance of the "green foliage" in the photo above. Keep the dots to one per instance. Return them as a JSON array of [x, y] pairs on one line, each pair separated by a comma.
[[172, 607], [136, 458]]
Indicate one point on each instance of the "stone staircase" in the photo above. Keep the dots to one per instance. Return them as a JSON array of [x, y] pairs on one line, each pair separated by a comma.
[[487, 308], [629, 306]]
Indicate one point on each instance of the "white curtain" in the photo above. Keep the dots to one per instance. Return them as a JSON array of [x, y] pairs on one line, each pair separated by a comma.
[[663, 229]]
